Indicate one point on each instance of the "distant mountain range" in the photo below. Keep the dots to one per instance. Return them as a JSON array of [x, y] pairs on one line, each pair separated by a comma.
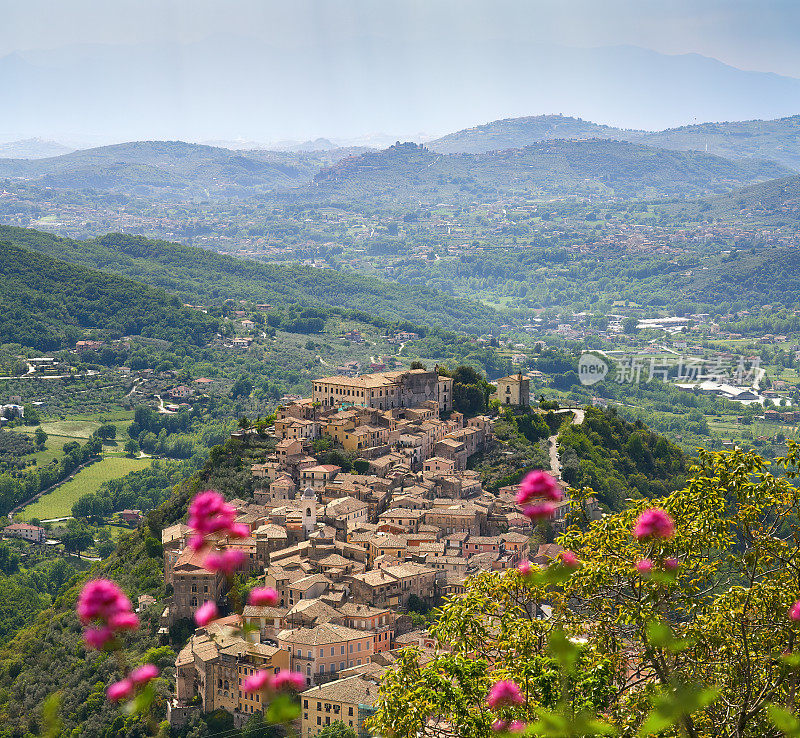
[[32, 148], [406, 172], [555, 168], [228, 87], [176, 168], [778, 140]]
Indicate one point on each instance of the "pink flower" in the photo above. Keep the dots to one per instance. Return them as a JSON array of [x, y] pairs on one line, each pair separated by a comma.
[[196, 542], [256, 682], [264, 596], [499, 725], [120, 690], [542, 511], [654, 523], [504, 693], [239, 530], [671, 564], [227, 561], [538, 485], [516, 726], [524, 567], [288, 680], [570, 560], [206, 613], [209, 513], [98, 637], [143, 674], [794, 611], [101, 599], [645, 566], [124, 621]]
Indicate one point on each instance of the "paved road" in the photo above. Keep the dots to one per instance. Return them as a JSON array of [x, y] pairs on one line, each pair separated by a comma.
[[552, 442]]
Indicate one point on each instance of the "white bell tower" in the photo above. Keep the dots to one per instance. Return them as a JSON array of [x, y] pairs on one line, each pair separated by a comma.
[[309, 502]]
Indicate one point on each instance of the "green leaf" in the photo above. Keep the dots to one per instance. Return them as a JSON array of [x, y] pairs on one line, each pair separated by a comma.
[[552, 724], [563, 650], [675, 703], [660, 635], [283, 710], [141, 703], [784, 721]]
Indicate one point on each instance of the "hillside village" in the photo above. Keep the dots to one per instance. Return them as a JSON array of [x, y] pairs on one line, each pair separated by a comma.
[[355, 556]]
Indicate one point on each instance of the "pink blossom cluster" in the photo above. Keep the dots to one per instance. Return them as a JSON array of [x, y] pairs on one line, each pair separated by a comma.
[[264, 596], [654, 523], [504, 693], [263, 680], [542, 490], [208, 514], [515, 726], [138, 677], [206, 613], [103, 605]]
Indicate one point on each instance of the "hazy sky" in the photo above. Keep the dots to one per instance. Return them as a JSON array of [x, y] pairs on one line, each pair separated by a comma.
[[760, 35], [272, 69]]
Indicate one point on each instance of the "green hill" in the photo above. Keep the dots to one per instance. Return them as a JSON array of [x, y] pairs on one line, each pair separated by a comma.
[[411, 173], [163, 168], [46, 303], [515, 133], [777, 140], [200, 276]]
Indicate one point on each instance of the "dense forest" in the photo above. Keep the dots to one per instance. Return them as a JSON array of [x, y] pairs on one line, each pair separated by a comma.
[[407, 173], [619, 460], [197, 275], [47, 303]]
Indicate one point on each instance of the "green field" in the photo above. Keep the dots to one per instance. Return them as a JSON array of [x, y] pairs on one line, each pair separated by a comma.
[[58, 503], [71, 428]]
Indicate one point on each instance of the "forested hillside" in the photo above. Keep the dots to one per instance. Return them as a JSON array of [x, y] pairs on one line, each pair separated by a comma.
[[49, 656], [197, 275], [776, 140], [46, 303], [163, 168], [407, 172], [514, 133], [619, 460]]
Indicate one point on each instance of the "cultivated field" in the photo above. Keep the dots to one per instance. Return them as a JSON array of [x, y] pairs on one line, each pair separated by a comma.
[[58, 503]]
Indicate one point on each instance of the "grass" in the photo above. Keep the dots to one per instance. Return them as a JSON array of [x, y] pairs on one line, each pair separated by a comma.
[[58, 503], [82, 429]]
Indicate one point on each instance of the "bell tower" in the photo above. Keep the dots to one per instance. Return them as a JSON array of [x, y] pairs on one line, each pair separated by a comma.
[[309, 503]]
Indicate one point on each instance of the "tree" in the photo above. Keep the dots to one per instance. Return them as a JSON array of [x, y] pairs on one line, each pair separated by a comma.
[[107, 432], [132, 448], [78, 537], [242, 387], [417, 365], [40, 437], [693, 644], [337, 729]]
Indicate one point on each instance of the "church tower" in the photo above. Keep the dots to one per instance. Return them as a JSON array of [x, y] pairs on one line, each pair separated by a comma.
[[309, 502]]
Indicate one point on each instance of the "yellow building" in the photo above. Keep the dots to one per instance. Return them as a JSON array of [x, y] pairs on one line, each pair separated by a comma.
[[347, 700], [410, 388], [514, 390]]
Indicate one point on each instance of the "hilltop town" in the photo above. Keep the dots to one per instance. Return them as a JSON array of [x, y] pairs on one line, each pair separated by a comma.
[[357, 557]]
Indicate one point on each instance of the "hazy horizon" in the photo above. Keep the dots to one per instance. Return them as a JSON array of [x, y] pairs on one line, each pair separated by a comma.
[[357, 72]]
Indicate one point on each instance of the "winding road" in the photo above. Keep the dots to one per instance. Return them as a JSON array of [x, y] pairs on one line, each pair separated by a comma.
[[552, 441]]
